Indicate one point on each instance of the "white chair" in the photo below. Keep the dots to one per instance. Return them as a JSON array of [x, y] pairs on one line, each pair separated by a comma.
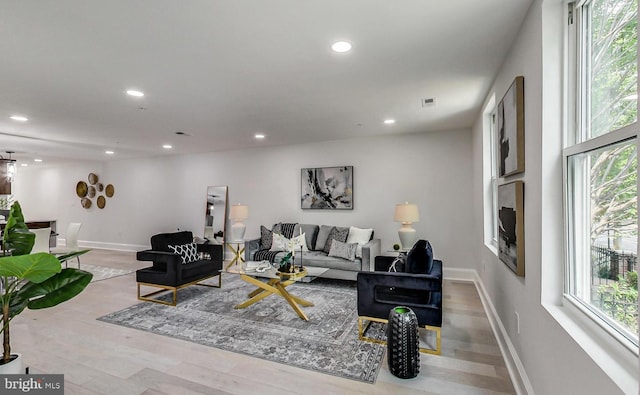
[[71, 241], [41, 243]]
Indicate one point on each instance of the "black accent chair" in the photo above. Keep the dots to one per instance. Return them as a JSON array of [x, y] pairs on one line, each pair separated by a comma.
[[169, 273], [419, 288]]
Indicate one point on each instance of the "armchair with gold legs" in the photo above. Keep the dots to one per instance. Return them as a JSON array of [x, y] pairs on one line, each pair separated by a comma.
[[420, 290]]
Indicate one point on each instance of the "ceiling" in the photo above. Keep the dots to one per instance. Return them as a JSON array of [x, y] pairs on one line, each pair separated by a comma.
[[222, 71]]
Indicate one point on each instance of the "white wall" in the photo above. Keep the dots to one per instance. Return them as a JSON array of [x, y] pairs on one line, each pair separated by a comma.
[[553, 361], [165, 193]]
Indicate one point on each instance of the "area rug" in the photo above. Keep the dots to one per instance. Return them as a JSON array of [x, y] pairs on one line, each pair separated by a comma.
[[269, 329], [102, 272]]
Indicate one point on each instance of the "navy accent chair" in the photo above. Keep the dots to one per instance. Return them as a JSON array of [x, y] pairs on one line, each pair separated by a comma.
[[419, 288], [169, 273]]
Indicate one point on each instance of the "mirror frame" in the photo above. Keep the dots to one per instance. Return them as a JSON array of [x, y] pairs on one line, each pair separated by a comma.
[[216, 206]]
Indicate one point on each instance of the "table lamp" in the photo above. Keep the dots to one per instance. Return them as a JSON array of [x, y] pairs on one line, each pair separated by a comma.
[[406, 214], [238, 214]]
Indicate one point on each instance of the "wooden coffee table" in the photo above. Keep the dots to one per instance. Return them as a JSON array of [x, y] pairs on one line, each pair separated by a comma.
[[276, 284]]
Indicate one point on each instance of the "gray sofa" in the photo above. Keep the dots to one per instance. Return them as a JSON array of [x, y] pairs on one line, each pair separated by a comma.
[[338, 267]]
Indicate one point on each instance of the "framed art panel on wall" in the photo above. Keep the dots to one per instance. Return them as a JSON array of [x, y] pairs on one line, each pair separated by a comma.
[[511, 225], [510, 126], [327, 188]]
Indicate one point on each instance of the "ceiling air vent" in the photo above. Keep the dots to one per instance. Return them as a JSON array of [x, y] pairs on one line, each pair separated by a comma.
[[429, 102]]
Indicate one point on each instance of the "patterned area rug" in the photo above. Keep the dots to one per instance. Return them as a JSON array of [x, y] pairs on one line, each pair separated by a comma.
[[269, 329], [101, 272]]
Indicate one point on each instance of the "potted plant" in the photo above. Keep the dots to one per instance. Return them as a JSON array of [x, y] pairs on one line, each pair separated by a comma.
[[34, 281]]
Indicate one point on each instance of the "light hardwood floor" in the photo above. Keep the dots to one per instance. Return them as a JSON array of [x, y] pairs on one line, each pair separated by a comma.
[[101, 358]]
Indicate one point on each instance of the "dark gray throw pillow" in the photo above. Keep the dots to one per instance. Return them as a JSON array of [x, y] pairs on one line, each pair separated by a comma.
[[339, 234], [266, 236]]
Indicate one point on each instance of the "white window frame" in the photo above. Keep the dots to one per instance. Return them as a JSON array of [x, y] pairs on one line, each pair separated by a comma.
[[575, 142], [490, 176]]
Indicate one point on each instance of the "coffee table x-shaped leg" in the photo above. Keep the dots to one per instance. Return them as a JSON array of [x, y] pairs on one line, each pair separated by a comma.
[[274, 287]]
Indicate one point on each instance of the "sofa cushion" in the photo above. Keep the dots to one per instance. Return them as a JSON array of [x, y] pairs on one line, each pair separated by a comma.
[[360, 236], [320, 259], [343, 250], [336, 233], [266, 237], [321, 239], [420, 258], [311, 234], [188, 252]]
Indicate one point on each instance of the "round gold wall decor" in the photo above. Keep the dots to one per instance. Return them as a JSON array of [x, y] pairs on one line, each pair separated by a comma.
[[86, 203], [110, 190], [91, 192], [101, 201], [99, 187], [93, 178], [81, 189]]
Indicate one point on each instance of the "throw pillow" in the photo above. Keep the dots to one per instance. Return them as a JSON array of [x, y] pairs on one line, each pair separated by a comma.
[[420, 258], [336, 233], [300, 242], [343, 250], [266, 236], [279, 242], [360, 236], [321, 240], [188, 252]]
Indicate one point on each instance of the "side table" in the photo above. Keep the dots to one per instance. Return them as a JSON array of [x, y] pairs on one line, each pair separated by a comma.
[[385, 263], [237, 252]]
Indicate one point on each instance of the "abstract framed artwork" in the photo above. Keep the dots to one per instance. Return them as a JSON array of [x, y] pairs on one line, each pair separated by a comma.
[[511, 225], [510, 126], [327, 188]]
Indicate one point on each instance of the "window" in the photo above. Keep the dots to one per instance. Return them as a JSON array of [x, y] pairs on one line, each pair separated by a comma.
[[601, 166]]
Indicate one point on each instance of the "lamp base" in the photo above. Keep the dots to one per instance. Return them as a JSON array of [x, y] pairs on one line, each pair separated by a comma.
[[237, 231], [407, 236]]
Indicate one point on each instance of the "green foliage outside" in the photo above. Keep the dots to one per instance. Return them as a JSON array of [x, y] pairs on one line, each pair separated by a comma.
[[612, 98], [619, 300]]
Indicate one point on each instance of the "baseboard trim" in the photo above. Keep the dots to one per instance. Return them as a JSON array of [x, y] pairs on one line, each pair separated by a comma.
[[107, 246], [454, 274], [515, 367]]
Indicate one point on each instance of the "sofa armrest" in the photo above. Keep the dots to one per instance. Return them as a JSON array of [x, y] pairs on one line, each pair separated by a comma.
[[250, 247], [166, 260], [369, 253], [213, 250]]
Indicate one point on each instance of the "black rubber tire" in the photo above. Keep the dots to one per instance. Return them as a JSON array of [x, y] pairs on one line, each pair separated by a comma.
[[403, 354]]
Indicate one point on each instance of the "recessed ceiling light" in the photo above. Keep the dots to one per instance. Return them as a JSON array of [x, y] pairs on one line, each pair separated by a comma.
[[167, 146], [389, 121], [259, 136], [37, 160], [19, 118], [24, 164], [341, 46], [109, 152], [133, 92]]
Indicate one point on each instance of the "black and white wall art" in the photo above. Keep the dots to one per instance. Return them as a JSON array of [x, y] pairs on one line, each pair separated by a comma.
[[511, 225], [510, 129], [329, 188]]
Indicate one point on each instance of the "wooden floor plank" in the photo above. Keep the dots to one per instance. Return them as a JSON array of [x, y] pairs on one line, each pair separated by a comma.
[[101, 358]]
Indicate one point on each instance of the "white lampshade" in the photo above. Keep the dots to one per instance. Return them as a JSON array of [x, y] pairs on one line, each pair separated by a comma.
[[406, 214], [239, 211]]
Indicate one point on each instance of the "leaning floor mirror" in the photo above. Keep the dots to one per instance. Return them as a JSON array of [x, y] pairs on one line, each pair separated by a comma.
[[216, 214]]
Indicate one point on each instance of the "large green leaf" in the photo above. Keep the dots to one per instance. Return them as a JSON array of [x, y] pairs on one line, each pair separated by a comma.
[[17, 237], [65, 257], [57, 289], [33, 267]]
